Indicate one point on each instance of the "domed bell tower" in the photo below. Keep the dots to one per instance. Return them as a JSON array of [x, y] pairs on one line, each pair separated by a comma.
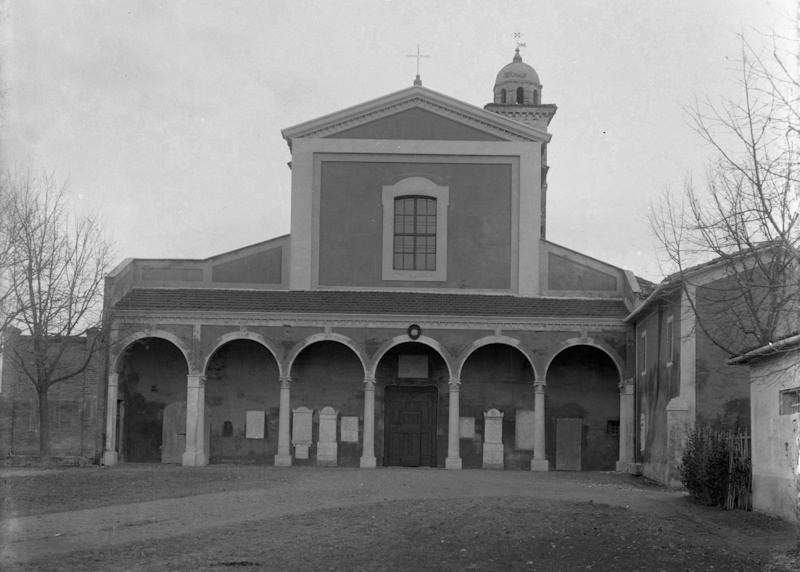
[[518, 96]]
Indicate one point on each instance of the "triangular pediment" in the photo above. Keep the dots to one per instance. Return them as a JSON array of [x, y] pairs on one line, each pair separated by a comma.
[[416, 113]]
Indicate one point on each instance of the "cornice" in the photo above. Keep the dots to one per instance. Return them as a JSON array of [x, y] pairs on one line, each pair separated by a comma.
[[384, 321]]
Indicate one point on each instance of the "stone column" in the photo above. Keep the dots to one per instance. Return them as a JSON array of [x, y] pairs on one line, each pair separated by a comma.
[[284, 456], [195, 454], [453, 460], [539, 462], [626, 425], [110, 455], [368, 460]]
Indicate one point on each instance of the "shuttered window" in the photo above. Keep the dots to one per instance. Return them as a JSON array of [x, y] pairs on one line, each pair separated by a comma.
[[670, 342], [643, 353], [790, 401]]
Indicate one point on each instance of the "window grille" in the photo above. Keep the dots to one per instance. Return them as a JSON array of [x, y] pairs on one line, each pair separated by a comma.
[[612, 428], [414, 233]]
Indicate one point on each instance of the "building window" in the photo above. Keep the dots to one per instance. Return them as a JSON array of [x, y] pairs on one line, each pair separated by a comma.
[[790, 401], [502, 96], [415, 230], [520, 95], [612, 428], [670, 343], [414, 233], [643, 353]]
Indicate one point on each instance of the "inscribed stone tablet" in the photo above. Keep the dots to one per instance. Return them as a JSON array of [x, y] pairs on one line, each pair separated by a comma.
[[350, 429], [525, 430], [254, 428], [301, 425], [327, 425], [493, 426], [466, 427], [412, 366]]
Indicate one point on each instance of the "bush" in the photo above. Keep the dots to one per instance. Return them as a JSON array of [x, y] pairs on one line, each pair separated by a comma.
[[716, 469]]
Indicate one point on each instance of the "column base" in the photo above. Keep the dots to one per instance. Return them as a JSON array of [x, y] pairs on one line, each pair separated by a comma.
[[540, 465], [110, 458], [623, 466], [283, 460], [194, 460], [368, 463], [452, 463]]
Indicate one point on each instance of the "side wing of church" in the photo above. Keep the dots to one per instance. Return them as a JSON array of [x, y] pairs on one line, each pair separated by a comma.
[[416, 315]]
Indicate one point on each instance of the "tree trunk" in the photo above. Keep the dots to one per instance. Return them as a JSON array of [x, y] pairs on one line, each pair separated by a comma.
[[44, 427]]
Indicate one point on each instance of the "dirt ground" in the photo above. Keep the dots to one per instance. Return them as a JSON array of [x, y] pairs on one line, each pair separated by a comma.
[[156, 517]]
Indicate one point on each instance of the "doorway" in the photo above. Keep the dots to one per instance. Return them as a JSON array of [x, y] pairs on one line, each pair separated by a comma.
[[410, 426]]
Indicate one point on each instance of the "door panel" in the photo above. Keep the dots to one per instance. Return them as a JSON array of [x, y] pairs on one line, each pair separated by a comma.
[[410, 434]]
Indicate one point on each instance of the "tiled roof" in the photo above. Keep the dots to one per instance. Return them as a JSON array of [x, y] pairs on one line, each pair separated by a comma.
[[366, 302], [645, 286]]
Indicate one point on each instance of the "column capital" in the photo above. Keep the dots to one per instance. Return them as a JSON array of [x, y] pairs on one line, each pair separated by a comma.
[[113, 379], [369, 383], [626, 385], [454, 383], [196, 380], [285, 381], [539, 385]]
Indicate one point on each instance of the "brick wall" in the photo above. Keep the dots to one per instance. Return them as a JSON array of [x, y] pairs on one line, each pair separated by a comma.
[[76, 409]]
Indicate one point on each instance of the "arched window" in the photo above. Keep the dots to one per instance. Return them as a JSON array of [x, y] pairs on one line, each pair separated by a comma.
[[414, 233], [502, 96], [536, 97], [520, 95], [414, 230]]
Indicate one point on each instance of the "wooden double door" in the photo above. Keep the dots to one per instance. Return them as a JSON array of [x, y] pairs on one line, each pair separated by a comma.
[[410, 426]]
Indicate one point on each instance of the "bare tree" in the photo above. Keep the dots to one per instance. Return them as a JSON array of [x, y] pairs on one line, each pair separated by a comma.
[[742, 220], [55, 265]]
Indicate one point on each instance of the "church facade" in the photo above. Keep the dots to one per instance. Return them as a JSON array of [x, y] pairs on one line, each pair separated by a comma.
[[416, 315]]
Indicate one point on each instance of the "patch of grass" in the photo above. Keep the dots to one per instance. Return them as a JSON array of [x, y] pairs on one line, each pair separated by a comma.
[[456, 534]]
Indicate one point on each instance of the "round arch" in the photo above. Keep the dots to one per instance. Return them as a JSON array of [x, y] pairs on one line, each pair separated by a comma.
[[424, 340], [489, 340], [240, 335], [599, 344], [162, 334], [325, 337]]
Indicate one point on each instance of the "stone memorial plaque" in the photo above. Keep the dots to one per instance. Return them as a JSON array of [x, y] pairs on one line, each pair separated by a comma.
[[349, 428], [524, 429], [327, 425], [412, 366], [254, 424], [302, 425], [327, 448], [466, 427], [493, 454], [493, 426]]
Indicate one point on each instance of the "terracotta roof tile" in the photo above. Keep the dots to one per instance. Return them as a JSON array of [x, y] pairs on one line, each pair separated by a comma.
[[366, 302]]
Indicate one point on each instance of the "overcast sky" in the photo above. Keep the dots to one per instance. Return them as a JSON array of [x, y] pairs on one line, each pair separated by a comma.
[[167, 115]]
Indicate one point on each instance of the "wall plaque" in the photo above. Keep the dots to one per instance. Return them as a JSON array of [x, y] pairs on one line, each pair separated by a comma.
[[412, 366], [254, 424]]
